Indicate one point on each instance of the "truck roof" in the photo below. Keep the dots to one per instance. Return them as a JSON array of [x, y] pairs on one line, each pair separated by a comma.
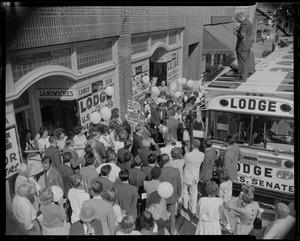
[[274, 77]]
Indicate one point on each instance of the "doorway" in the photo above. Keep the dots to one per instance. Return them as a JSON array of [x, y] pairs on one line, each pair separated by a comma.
[[59, 114]]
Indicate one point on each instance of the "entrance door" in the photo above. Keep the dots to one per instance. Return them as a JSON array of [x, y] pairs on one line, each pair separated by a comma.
[[158, 70]]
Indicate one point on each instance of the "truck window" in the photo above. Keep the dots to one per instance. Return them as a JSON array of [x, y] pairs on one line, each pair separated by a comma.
[[255, 131]]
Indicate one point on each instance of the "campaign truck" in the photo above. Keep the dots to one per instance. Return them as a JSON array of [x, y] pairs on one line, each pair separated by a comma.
[[259, 116]]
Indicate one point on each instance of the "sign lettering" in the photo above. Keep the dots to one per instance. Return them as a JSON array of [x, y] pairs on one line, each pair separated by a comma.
[[57, 94], [12, 159], [252, 104]]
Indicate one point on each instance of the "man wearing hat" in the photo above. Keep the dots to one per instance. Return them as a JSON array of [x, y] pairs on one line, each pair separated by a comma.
[[145, 151], [88, 224], [282, 226], [151, 186]]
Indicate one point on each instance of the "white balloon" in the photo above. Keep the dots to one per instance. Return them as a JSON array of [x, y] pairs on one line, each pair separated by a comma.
[[146, 80], [155, 90], [95, 117], [165, 189], [109, 90], [177, 94], [57, 193], [105, 113], [190, 83], [172, 86], [183, 81], [179, 81], [185, 98]]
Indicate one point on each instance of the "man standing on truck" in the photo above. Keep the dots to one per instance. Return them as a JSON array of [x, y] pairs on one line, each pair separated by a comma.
[[231, 157], [243, 44]]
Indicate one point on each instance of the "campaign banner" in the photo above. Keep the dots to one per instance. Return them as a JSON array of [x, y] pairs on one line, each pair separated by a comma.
[[133, 111], [172, 70], [139, 89], [12, 159], [94, 103]]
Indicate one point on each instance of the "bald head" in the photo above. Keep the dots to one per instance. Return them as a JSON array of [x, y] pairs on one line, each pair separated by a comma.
[[196, 143], [168, 139], [283, 210], [240, 16], [23, 190]]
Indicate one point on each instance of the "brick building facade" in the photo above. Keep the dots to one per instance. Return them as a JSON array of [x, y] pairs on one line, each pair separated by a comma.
[[59, 60]]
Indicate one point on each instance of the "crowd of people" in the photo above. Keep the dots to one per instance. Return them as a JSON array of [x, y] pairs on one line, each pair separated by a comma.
[[105, 181]]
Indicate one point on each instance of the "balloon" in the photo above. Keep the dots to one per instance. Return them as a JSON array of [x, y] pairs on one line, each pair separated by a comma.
[[172, 86], [183, 81], [154, 96], [146, 80], [179, 80], [165, 189], [57, 193], [105, 113], [95, 117], [163, 129], [185, 98], [155, 90], [190, 83], [177, 94], [109, 90]]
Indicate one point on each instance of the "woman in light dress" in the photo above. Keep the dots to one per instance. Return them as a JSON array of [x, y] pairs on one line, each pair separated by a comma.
[[80, 140], [242, 211], [43, 139], [61, 136], [208, 211]]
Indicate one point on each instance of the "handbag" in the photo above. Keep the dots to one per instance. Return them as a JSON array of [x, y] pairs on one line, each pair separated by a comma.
[[257, 224]]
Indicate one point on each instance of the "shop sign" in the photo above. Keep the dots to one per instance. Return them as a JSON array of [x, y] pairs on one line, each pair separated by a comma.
[[101, 84], [69, 94], [172, 70], [84, 91], [10, 119], [160, 59], [93, 103], [12, 152]]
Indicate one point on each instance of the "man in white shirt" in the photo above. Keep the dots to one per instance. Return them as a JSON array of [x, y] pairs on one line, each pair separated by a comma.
[[282, 226], [193, 161], [111, 159], [24, 211]]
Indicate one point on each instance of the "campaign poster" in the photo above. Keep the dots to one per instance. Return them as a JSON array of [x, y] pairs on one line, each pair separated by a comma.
[[94, 103], [12, 159]]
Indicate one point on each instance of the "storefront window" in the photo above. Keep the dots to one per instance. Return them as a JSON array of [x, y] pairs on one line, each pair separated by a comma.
[[93, 54], [158, 37], [23, 64], [139, 44], [172, 37], [252, 130]]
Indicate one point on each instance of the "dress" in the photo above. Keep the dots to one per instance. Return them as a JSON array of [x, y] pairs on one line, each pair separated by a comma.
[[208, 213], [80, 142], [77, 197], [43, 143]]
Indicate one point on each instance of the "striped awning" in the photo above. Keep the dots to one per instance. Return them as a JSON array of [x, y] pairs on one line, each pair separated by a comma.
[[219, 38]]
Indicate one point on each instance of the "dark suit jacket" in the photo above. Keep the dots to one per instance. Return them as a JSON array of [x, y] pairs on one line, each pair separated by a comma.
[[106, 183], [127, 196], [172, 125], [145, 152], [77, 227], [206, 168], [172, 175], [147, 171], [54, 154], [100, 149], [66, 172], [54, 177], [136, 144], [244, 36], [121, 153], [163, 114], [127, 127], [155, 119], [137, 177]]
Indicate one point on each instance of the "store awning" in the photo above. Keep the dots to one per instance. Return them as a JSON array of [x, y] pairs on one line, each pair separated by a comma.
[[219, 38]]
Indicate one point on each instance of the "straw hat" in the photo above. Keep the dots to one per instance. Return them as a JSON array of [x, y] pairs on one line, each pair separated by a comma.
[[87, 214]]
